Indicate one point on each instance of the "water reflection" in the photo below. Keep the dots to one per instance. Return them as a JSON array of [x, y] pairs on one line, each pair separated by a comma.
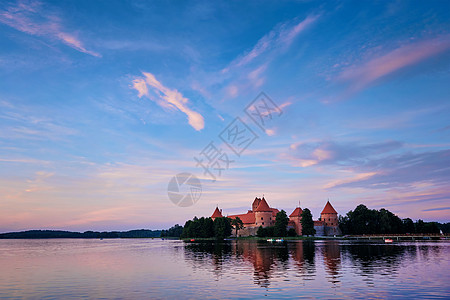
[[267, 261], [331, 253], [147, 269]]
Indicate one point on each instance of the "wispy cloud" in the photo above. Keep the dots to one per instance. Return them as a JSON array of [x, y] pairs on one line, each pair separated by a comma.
[[168, 98], [403, 170], [362, 75], [27, 122], [281, 36], [329, 152], [30, 17], [375, 166], [73, 42], [437, 209]]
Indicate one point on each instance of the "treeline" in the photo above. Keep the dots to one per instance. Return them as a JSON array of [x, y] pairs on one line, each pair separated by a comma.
[[174, 231], [371, 221], [220, 228], [60, 234]]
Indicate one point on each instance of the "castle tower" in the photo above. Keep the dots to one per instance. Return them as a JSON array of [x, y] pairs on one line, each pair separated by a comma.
[[217, 214], [263, 214], [330, 218], [256, 203], [296, 217]]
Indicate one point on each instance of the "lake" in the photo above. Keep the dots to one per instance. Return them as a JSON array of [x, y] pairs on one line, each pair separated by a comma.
[[154, 269]]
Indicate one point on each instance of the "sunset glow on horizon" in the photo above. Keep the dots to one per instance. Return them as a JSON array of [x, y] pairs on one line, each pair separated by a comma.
[[103, 102]]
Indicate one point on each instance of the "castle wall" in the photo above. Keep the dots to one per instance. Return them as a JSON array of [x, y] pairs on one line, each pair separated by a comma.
[[246, 231], [332, 230], [320, 230]]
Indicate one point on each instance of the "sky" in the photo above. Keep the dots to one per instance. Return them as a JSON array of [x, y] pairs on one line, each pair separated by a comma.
[[102, 103]]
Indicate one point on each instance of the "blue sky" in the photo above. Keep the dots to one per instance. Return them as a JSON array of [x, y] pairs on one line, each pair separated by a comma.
[[103, 102]]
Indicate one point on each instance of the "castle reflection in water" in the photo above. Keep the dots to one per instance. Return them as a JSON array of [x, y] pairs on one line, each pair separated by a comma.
[[306, 258]]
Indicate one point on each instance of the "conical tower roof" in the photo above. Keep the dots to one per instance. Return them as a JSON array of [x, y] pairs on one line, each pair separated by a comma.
[[217, 213], [263, 206], [296, 213], [328, 209]]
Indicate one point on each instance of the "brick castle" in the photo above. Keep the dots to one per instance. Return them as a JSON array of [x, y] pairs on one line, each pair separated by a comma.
[[263, 215]]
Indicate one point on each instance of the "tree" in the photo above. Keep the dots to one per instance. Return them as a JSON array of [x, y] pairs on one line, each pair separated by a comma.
[[222, 228], [187, 230], [261, 232], [174, 231], [420, 226], [307, 223], [281, 222], [291, 232], [432, 227], [198, 228], [445, 227], [362, 220], [238, 224], [265, 231], [388, 222], [408, 226], [344, 224]]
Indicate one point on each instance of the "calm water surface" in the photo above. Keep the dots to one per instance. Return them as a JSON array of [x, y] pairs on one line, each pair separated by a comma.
[[153, 269]]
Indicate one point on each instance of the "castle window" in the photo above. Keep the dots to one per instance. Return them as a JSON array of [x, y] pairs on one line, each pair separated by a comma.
[[263, 223], [262, 218]]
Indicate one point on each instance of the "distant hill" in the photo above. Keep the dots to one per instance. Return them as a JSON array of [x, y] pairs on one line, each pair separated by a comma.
[[60, 234]]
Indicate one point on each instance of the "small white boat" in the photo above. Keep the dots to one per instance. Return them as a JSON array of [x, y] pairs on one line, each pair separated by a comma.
[[279, 240], [388, 240], [270, 240]]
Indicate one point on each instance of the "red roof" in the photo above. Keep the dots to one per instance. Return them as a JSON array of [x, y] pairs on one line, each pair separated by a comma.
[[274, 212], [296, 213], [248, 218], [217, 213], [328, 209], [263, 206], [256, 203]]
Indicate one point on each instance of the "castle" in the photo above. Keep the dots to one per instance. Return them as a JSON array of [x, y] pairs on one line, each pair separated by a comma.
[[263, 215]]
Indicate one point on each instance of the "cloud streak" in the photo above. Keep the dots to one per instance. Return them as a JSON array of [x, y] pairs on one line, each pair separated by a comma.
[[168, 98], [345, 154], [363, 75], [406, 169], [437, 209], [31, 18], [281, 36]]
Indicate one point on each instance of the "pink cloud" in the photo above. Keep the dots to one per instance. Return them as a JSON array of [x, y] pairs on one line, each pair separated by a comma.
[[140, 85], [288, 36], [73, 42], [363, 75], [168, 98], [30, 18]]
